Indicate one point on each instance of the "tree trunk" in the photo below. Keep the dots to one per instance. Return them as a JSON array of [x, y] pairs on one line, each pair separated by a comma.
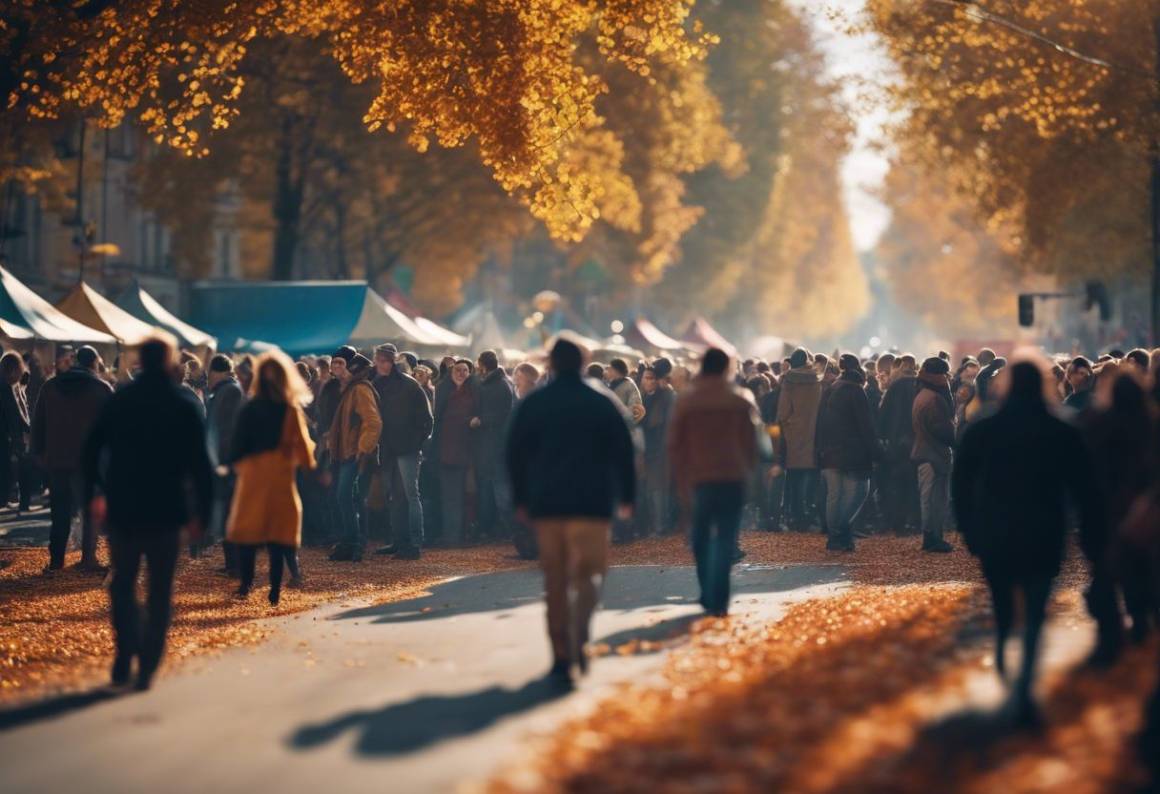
[[1155, 198], [287, 208]]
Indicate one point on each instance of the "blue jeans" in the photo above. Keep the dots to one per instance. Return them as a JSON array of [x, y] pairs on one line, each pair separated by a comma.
[[401, 475], [716, 520], [346, 485], [845, 494]]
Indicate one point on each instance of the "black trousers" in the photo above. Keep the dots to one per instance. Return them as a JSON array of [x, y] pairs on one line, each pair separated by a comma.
[[144, 639], [64, 502], [717, 510], [1035, 589], [247, 555]]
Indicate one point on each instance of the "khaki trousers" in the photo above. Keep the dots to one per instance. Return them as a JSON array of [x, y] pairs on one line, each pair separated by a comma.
[[574, 556]]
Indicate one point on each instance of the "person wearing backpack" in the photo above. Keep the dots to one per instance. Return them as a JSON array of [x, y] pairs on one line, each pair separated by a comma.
[[353, 443]]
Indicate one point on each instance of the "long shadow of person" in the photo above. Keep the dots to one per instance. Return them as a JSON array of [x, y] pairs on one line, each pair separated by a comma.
[[30, 713], [402, 728]]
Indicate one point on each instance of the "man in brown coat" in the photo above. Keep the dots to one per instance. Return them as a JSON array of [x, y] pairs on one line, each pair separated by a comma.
[[353, 443], [797, 414], [934, 438], [713, 440], [66, 410]]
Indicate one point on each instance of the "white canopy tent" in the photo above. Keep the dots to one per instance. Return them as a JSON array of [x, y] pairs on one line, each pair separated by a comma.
[[25, 316]]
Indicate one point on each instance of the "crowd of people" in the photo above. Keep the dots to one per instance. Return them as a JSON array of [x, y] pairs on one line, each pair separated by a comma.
[[335, 449]]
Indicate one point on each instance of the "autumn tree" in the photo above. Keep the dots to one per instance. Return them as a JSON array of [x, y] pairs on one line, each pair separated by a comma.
[[1042, 114]]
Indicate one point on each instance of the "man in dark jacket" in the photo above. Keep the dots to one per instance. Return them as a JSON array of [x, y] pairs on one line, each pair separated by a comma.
[[1014, 476], [147, 454], [847, 449], [570, 457], [659, 399], [934, 441], [898, 480], [407, 422], [223, 404], [65, 412], [495, 397]]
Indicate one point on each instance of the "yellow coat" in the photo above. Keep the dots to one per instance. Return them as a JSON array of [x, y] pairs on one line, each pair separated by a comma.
[[266, 506]]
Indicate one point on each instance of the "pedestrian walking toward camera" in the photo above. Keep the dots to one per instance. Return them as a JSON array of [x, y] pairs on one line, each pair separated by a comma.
[[571, 460], [147, 456], [713, 445], [271, 444], [1015, 474]]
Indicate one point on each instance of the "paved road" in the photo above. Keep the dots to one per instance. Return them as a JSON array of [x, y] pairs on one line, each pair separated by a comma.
[[417, 696]]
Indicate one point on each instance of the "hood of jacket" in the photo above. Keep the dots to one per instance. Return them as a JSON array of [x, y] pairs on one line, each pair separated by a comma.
[[800, 375], [854, 376]]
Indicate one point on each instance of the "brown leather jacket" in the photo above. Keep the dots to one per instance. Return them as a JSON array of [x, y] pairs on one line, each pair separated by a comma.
[[713, 434]]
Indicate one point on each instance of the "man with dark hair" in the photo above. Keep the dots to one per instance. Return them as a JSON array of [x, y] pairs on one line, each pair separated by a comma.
[[713, 441], [898, 479], [797, 414], [353, 446], [570, 457], [934, 440], [659, 399], [625, 388], [68, 406], [1081, 378], [595, 371], [1015, 475], [494, 397], [406, 426], [223, 405], [986, 356], [983, 382], [1140, 359], [847, 449], [147, 453]]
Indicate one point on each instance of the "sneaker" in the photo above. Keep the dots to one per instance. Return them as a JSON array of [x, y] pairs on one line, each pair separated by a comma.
[[274, 597], [242, 594], [937, 546], [342, 553], [561, 673], [89, 566]]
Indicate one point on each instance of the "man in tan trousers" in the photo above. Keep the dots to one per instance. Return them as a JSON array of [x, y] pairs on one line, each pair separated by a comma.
[[570, 456]]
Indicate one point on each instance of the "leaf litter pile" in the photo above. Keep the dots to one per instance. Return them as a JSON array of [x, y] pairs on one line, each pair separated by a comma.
[[833, 697]]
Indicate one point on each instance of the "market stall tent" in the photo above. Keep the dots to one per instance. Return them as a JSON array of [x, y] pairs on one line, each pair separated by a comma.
[[641, 333], [701, 333], [27, 317], [85, 305], [381, 322], [139, 303]]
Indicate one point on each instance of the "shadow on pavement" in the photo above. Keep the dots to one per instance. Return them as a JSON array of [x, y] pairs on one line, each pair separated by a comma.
[[659, 586], [54, 707], [401, 728], [660, 635]]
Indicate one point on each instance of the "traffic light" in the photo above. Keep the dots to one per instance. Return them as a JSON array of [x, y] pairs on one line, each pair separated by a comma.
[[1096, 294], [1026, 310]]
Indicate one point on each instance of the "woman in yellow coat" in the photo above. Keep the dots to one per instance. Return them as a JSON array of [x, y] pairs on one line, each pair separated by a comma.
[[270, 444]]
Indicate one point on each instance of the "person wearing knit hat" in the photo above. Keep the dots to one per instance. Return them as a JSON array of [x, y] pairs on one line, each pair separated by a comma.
[[352, 444], [797, 415], [934, 439]]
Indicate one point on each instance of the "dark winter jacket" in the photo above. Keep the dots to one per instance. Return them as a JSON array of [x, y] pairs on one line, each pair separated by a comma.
[[896, 418], [223, 406], [14, 424], [68, 406], [147, 451], [934, 423], [846, 437], [327, 404], [658, 408], [797, 413], [569, 451], [405, 412], [494, 397], [1014, 474], [874, 398]]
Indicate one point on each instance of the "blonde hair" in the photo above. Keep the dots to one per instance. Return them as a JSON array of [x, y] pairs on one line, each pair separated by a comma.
[[277, 378]]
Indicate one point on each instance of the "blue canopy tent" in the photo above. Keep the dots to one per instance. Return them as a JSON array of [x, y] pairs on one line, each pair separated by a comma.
[[301, 317]]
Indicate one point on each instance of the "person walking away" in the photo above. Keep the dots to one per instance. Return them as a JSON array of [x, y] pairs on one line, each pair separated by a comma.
[[147, 456], [495, 397], [68, 406], [570, 457], [659, 399], [271, 444], [797, 414], [713, 446], [353, 444], [934, 441], [898, 483], [1120, 439], [14, 430], [1015, 474], [847, 449], [454, 408], [406, 426], [223, 404]]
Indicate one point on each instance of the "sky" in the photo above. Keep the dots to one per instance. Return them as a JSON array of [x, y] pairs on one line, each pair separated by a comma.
[[860, 62]]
